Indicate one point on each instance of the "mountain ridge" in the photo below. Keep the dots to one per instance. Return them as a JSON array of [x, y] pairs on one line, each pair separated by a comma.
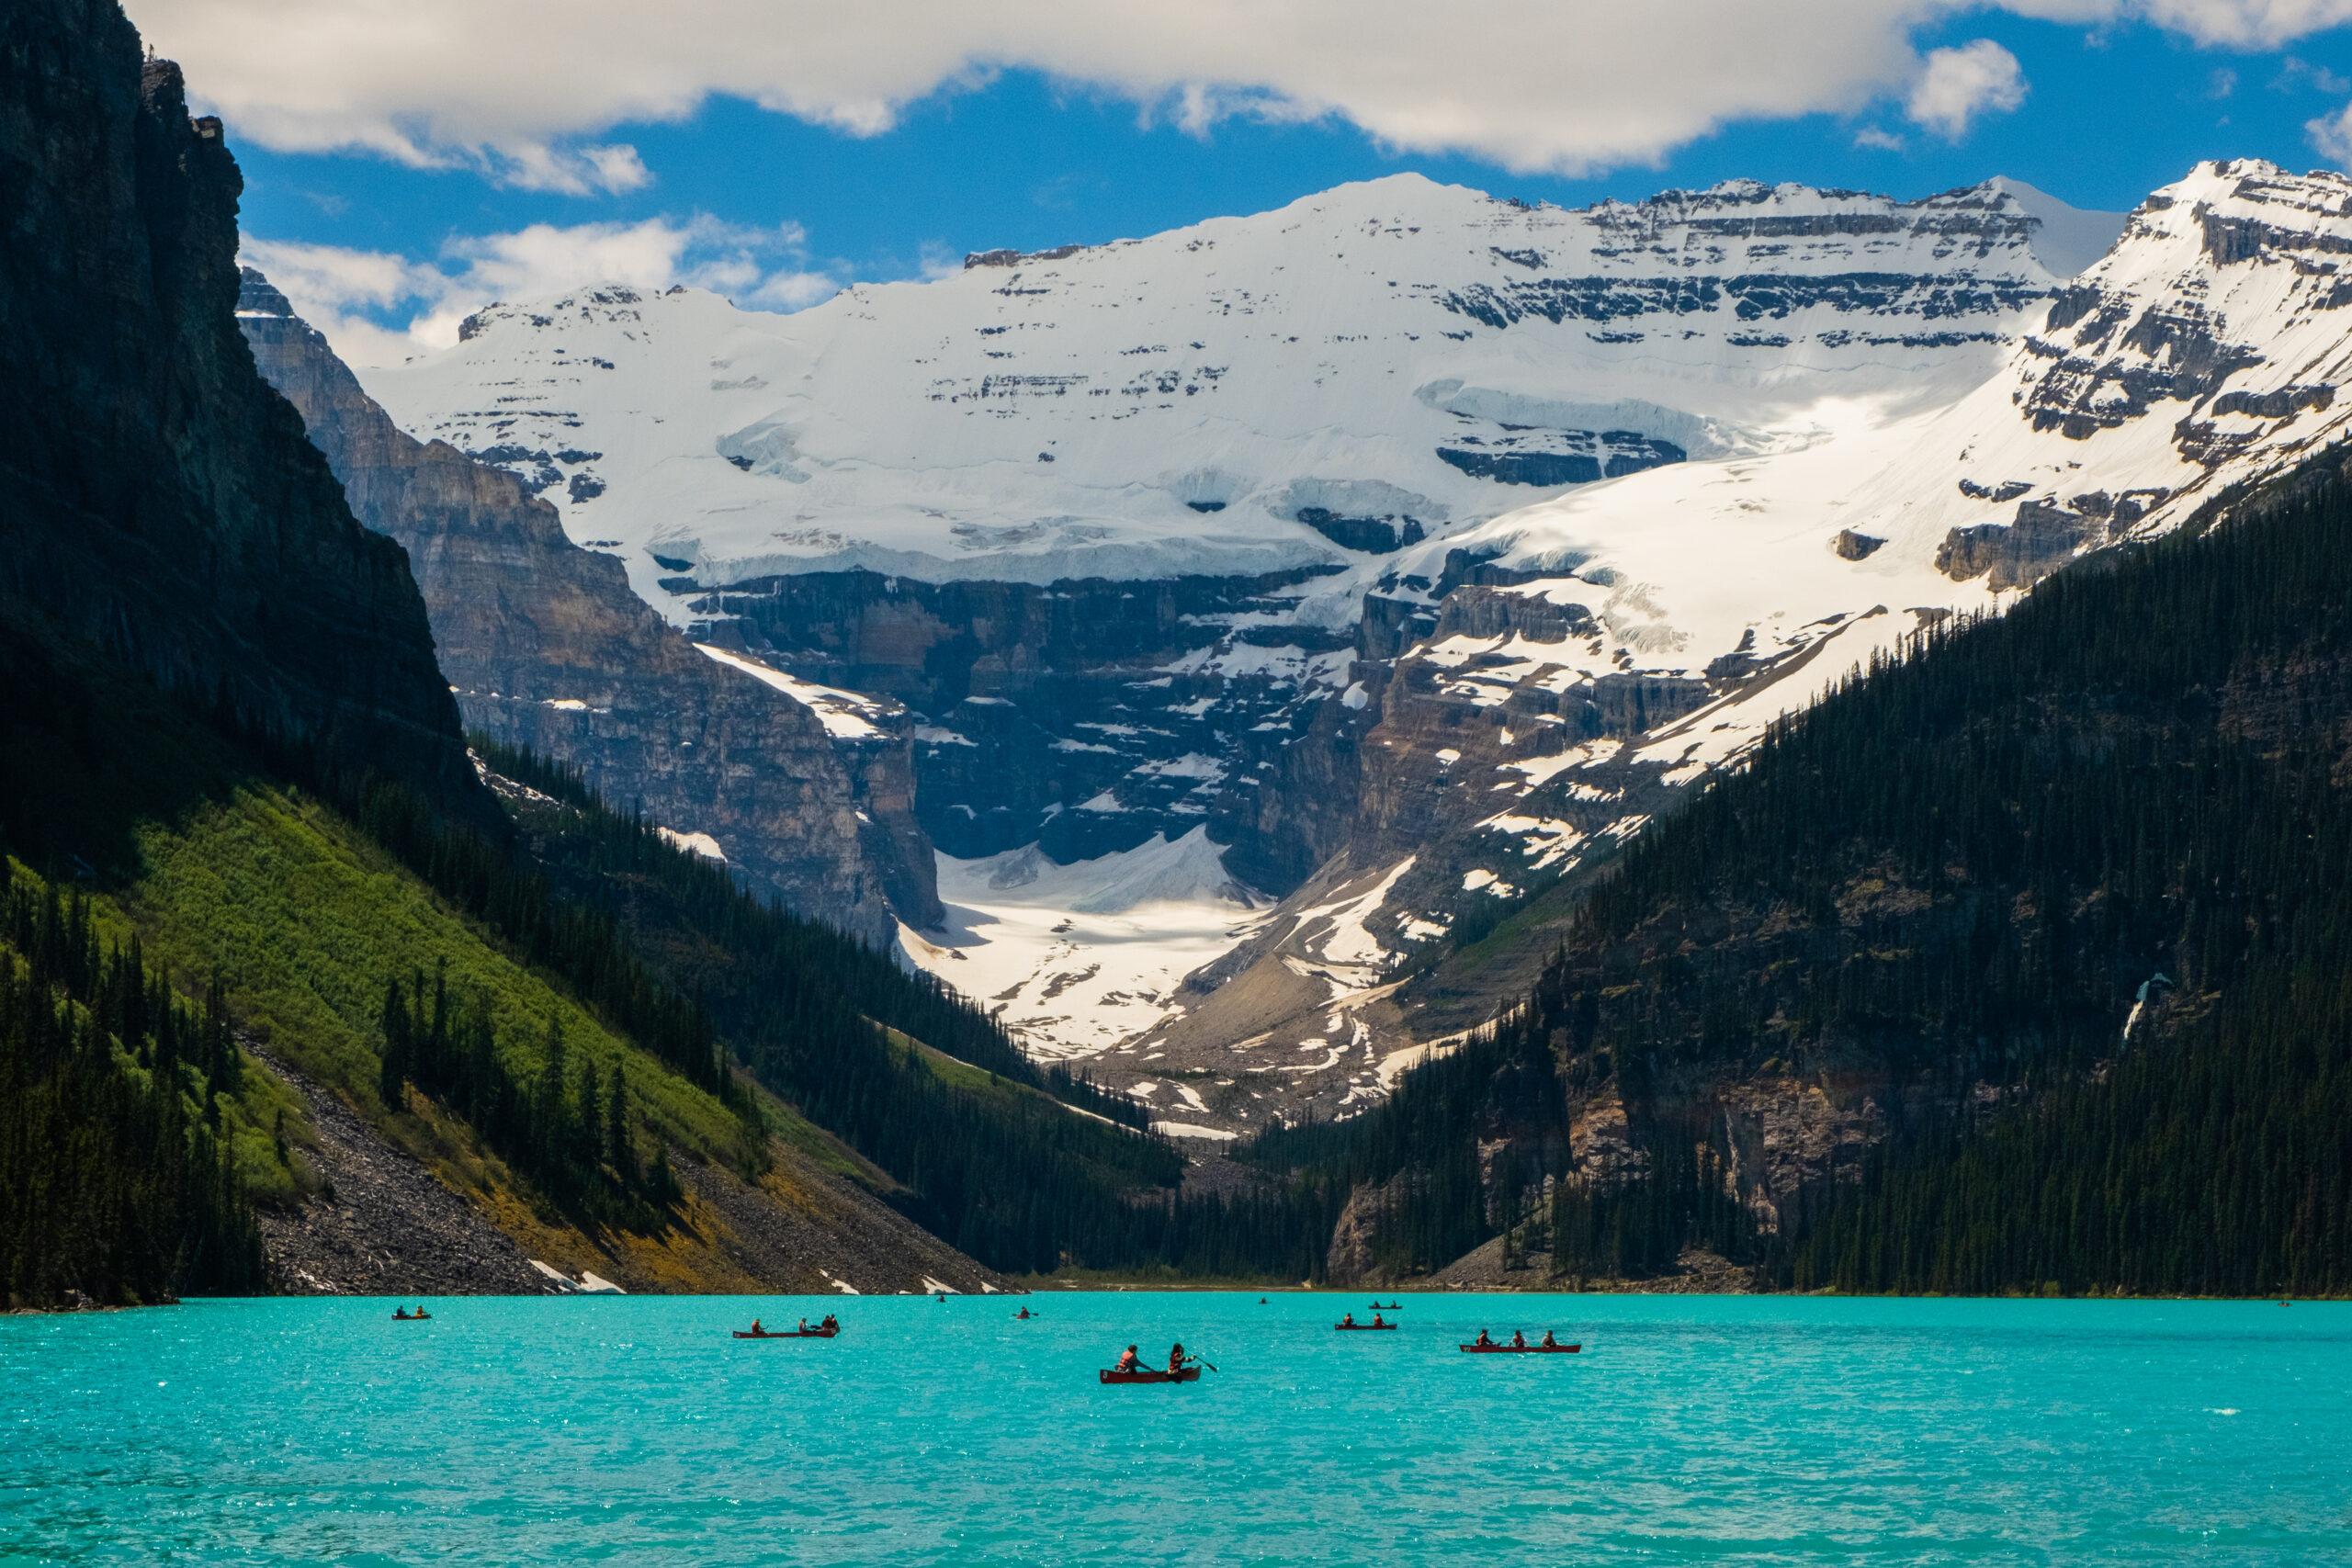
[[546, 648], [1822, 458]]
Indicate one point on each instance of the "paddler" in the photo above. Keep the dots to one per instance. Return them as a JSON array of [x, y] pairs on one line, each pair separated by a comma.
[[804, 1325], [1176, 1357], [1519, 1339], [1127, 1362], [755, 1326], [1376, 1322], [1349, 1321], [1550, 1343], [1481, 1338], [831, 1324]]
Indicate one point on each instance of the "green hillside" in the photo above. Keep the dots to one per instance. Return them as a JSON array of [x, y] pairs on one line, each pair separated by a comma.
[[1945, 887]]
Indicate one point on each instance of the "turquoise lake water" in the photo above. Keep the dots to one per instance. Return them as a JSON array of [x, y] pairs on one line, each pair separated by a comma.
[[1691, 1429]]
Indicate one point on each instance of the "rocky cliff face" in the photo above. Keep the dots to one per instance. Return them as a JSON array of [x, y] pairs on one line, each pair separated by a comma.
[[158, 505], [1208, 533], [546, 646]]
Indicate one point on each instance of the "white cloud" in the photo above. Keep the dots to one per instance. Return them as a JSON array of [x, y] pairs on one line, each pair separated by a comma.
[[575, 170], [1957, 84], [2244, 24], [1533, 85], [2296, 75], [2331, 137], [379, 309], [1885, 141]]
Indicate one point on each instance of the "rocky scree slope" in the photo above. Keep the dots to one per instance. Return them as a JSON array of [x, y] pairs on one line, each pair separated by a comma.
[[545, 646]]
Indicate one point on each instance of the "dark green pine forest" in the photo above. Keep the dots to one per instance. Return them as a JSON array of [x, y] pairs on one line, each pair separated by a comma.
[[1945, 887], [117, 1183]]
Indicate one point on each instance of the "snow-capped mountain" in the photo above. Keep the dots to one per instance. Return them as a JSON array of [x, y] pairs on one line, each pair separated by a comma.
[[1410, 541], [1377, 363]]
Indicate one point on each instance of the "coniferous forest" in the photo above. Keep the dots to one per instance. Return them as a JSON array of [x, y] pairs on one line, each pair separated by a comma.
[[118, 1185], [1956, 882]]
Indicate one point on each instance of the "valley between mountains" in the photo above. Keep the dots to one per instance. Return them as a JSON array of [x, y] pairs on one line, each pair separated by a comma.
[[1272, 625], [1759, 738]]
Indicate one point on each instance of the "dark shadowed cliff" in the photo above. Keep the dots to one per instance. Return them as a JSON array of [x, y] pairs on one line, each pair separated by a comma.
[[158, 508]]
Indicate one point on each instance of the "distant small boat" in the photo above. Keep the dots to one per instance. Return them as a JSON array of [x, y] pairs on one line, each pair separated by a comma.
[[787, 1333], [1521, 1349], [1190, 1374], [1344, 1328], [1392, 1306], [420, 1315]]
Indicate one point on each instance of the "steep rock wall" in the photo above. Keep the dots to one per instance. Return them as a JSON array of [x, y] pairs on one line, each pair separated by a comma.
[[158, 504], [1085, 714], [546, 646]]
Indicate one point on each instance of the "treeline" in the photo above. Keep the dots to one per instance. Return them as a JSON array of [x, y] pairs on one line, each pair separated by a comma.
[[1003, 1174], [486, 875], [576, 1141], [1952, 878], [806, 955], [116, 1178]]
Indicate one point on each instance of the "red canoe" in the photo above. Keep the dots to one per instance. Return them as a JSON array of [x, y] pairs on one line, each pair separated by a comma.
[[1521, 1349], [786, 1333], [1190, 1374], [1344, 1328]]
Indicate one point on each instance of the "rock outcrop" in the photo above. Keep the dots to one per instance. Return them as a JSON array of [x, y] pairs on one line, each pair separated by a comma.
[[159, 508], [546, 646]]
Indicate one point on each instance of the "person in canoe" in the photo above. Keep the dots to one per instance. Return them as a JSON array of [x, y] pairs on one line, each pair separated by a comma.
[[1519, 1339], [1377, 1321], [804, 1325], [1127, 1362], [1550, 1343], [831, 1324], [755, 1326], [1481, 1338], [1022, 1316], [1349, 1321], [1176, 1357]]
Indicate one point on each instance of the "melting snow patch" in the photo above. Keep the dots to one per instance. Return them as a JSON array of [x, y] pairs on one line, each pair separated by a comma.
[[845, 714], [1079, 958], [1188, 1130], [701, 844]]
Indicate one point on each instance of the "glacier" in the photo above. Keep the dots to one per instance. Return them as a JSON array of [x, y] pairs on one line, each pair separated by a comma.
[[1396, 550]]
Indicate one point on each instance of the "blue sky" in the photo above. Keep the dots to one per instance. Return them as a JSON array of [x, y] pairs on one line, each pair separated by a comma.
[[1014, 156]]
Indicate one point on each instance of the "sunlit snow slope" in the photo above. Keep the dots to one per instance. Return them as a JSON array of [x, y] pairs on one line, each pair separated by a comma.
[[1468, 527], [1389, 358]]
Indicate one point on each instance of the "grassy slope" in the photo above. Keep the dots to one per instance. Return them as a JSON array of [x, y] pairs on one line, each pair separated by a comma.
[[307, 922]]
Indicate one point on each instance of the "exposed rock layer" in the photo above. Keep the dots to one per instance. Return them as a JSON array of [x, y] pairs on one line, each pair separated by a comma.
[[546, 646]]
